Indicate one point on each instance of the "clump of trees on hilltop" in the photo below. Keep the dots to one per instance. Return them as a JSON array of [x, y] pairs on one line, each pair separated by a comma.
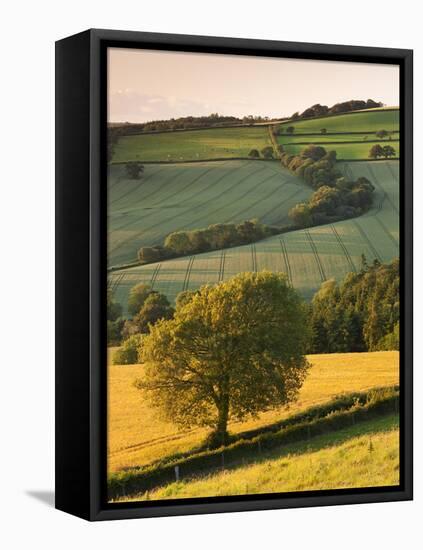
[[214, 237], [386, 151], [362, 313], [343, 107], [231, 351], [336, 197]]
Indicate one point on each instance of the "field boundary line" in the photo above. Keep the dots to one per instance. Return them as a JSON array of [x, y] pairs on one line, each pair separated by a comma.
[[316, 255]]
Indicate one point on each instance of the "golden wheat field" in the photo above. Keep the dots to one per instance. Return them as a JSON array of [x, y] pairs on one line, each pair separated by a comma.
[[136, 436]]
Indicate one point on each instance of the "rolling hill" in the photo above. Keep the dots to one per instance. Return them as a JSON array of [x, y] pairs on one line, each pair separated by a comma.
[[189, 196], [308, 256]]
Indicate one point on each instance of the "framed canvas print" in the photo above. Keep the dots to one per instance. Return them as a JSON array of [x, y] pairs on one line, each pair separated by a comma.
[[234, 274]]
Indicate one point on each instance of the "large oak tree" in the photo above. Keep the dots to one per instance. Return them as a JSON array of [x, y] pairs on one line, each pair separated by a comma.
[[231, 351]]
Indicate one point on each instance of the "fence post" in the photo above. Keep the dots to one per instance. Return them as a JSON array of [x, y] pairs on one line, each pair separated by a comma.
[[177, 473]]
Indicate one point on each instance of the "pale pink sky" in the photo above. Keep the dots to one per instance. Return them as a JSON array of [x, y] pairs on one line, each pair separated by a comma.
[[150, 85]]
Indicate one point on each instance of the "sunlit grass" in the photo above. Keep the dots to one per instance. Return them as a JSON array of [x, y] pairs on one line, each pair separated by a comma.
[[366, 455]]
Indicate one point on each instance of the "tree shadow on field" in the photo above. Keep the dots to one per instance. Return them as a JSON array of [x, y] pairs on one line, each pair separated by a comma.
[[46, 497]]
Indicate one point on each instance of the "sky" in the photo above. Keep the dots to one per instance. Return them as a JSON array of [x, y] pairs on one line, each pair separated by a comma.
[[149, 85]]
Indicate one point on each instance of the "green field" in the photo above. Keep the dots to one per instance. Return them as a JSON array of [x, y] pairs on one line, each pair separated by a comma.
[[351, 135], [366, 455], [327, 140], [192, 145], [191, 196], [344, 151], [359, 121], [307, 256]]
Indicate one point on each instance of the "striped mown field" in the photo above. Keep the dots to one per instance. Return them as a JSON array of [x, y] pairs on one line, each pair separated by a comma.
[[308, 256], [191, 196]]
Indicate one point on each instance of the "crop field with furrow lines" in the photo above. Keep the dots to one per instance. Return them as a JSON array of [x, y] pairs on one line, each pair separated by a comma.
[[192, 196], [306, 256]]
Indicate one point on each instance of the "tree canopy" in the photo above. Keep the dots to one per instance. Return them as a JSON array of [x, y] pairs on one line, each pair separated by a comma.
[[360, 314], [231, 351]]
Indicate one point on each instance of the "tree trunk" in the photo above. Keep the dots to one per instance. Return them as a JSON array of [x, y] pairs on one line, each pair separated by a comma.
[[219, 436], [222, 421]]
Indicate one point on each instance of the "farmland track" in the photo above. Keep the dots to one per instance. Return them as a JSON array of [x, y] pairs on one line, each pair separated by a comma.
[[344, 248], [367, 240], [155, 273], [386, 231], [395, 177], [221, 267], [316, 255], [254, 258], [381, 189], [188, 273], [286, 260]]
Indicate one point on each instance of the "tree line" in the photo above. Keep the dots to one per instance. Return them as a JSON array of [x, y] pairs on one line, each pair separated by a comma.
[[187, 123], [361, 313], [214, 237], [336, 197], [339, 108]]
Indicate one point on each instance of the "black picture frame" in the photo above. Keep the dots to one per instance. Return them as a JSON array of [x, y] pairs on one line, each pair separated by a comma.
[[81, 124]]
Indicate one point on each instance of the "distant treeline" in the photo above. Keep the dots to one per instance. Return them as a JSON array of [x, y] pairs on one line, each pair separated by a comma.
[[339, 108], [336, 197], [214, 237], [361, 313], [186, 123]]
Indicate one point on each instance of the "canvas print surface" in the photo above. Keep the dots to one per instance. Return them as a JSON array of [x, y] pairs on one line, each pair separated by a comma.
[[253, 275]]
